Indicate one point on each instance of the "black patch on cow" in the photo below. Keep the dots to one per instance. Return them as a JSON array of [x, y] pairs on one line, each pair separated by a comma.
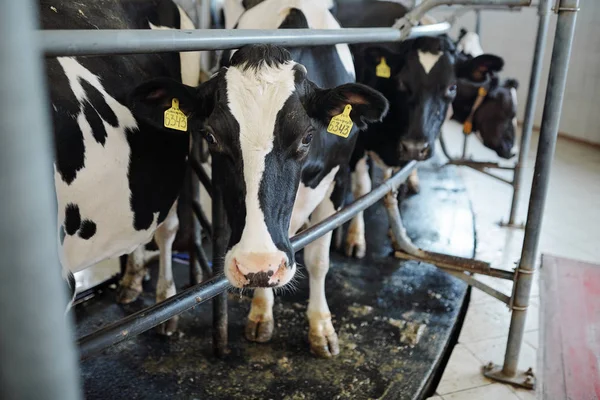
[[61, 234], [99, 103], [258, 55], [71, 285], [88, 229], [294, 20], [72, 219], [92, 117]]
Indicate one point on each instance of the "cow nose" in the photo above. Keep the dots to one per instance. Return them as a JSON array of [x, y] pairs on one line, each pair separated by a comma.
[[260, 269], [414, 149]]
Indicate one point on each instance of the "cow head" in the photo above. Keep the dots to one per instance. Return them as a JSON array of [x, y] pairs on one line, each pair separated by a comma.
[[494, 119], [420, 87], [259, 116]]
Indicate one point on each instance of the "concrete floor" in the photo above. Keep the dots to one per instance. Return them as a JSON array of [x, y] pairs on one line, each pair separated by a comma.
[[571, 227]]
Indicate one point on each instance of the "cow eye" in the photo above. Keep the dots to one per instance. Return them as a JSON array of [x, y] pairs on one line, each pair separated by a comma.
[[451, 90], [307, 138], [209, 136]]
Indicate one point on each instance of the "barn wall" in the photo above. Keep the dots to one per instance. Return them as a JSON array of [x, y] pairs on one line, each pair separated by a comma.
[[512, 35]]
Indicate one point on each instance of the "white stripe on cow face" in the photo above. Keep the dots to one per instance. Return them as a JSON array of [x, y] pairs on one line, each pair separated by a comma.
[[428, 60], [255, 97]]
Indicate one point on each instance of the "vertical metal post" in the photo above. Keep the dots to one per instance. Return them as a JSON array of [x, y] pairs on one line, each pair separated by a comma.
[[559, 64], [37, 357], [195, 230], [534, 84], [220, 238], [478, 23]]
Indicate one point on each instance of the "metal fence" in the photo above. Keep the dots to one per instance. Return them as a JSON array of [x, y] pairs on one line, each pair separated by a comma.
[[36, 352]]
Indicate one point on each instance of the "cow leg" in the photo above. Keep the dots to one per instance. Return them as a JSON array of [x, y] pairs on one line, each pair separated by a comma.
[[260, 325], [361, 184], [130, 286], [165, 287], [321, 335], [412, 183]]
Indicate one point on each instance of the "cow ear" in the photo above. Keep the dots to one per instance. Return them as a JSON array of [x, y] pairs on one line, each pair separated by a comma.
[[151, 99], [368, 105], [477, 69], [512, 83]]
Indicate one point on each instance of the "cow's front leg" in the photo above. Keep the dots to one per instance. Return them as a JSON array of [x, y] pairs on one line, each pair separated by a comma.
[[321, 335], [165, 287], [412, 183], [259, 327], [356, 244]]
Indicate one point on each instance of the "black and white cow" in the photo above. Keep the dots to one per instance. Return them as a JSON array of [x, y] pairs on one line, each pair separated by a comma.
[[420, 85], [491, 112], [265, 116], [117, 174]]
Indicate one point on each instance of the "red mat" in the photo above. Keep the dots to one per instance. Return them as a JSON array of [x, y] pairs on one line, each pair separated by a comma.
[[570, 330]]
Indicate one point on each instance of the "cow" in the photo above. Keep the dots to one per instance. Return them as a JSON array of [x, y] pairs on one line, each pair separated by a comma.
[[418, 78], [117, 175], [485, 104], [268, 116]]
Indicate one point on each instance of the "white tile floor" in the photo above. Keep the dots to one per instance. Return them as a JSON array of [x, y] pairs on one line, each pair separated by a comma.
[[571, 229]]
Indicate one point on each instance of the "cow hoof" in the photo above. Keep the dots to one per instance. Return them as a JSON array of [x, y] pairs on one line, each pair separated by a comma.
[[356, 246], [259, 331], [126, 295], [169, 327], [324, 345]]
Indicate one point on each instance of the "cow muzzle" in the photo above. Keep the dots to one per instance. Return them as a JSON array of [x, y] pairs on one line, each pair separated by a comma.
[[258, 270], [414, 150]]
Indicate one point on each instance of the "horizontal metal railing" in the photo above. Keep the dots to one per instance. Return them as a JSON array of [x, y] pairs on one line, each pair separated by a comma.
[[148, 318]]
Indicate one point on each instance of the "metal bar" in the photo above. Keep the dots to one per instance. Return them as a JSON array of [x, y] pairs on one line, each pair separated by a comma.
[[148, 318], [37, 357], [345, 214], [483, 171], [481, 286], [481, 164], [534, 84], [203, 261], [559, 65], [478, 23], [459, 264], [195, 228], [219, 242], [465, 145], [202, 175], [112, 41], [202, 218]]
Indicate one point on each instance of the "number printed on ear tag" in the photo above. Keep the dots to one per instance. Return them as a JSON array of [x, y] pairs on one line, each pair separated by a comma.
[[383, 70], [341, 124], [175, 118]]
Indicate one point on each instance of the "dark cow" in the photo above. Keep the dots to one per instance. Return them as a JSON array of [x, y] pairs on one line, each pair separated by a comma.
[[418, 78], [487, 104], [117, 174], [266, 117]]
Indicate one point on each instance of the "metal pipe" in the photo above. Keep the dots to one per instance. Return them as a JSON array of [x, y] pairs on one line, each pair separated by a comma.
[[478, 23], [202, 175], [219, 242], [483, 171], [345, 214], [37, 357], [470, 280], [465, 144], [148, 318], [202, 218], [559, 66], [112, 41], [534, 84]]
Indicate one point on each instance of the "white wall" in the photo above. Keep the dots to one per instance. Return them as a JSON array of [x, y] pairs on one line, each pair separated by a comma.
[[512, 36]]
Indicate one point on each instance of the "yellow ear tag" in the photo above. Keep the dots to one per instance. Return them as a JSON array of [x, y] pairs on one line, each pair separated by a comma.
[[467, 127], [175, 118], [383, 70], [482, 92], [341, 124]]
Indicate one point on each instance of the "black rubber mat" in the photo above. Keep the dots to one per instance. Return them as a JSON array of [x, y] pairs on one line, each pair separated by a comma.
[[394, 320]]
